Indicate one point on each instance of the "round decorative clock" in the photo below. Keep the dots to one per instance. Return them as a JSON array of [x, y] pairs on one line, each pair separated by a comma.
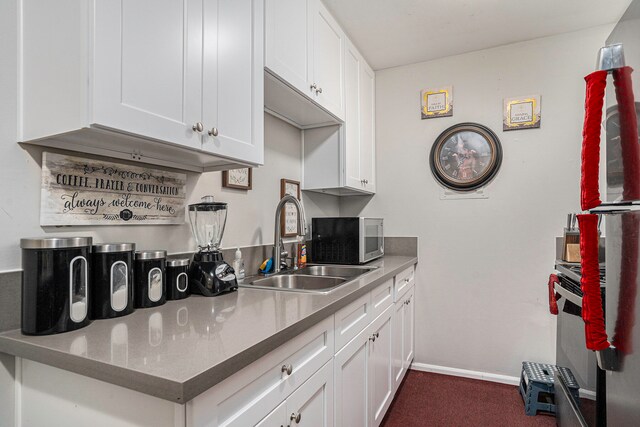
[[465, 156]]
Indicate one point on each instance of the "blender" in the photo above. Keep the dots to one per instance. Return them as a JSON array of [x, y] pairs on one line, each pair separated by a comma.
[[209, 274]]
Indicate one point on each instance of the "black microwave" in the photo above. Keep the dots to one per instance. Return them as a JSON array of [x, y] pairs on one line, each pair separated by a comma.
[[353, 240]]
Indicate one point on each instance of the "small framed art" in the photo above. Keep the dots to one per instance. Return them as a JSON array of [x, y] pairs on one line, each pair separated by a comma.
[[240, 179]]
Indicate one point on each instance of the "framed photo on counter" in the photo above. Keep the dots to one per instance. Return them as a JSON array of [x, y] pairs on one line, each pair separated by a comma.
[[289, 217]]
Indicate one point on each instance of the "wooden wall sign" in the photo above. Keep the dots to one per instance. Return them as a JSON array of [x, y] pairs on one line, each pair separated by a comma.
[[289, 218], [77, 191]]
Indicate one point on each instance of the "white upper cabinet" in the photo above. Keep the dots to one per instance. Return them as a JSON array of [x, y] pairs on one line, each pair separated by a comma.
[[342, 162], [304, 51], [233, 79], [359, 127], [169, 82], [288, 44], [147, 69], [328, 57]]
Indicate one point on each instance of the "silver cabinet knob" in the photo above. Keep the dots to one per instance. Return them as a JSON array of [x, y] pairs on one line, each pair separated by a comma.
[[373, 337], [319, 90], [288, 369], [296, 417], [213, 132], [314, 87], [377, 334], [198, 127]]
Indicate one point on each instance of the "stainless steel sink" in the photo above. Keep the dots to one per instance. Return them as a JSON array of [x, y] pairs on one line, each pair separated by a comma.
[[346, 272], [300, 283], [319, 279]]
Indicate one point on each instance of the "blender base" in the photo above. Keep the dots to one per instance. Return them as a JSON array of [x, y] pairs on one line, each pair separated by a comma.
[[210, 275]]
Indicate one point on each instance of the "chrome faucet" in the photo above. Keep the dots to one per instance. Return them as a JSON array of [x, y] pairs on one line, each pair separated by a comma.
[[277, 238]]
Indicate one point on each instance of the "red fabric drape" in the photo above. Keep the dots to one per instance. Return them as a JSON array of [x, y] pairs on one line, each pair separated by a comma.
[[628, 132], [594, 100], [553, 304], [592, 313]]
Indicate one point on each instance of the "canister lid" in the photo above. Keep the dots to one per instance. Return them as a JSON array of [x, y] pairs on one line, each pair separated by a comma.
[[55, 242], [178, 262], [106, 248], [147, 255]]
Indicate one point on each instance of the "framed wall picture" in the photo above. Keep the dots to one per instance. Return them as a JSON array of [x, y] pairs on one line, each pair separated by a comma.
[[521, 113], [240, 179], [465, 156], [289, 217], [437, 102]]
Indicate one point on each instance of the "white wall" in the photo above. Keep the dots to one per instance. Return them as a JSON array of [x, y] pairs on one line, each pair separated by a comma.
[[250, 217], [481, 300]]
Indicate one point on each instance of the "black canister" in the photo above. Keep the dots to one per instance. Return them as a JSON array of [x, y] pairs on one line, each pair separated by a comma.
[[55, 284], [177, 278], [112, 280], [150, 278]]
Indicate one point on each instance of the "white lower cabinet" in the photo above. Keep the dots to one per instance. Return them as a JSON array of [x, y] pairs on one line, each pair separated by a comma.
[[351, 366], [364, 387], [408, 332], [248, 396], [403, 325], [380, 353], [312, 404]]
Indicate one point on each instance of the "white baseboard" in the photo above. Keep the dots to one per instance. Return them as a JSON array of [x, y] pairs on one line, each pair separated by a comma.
[[465, 373]]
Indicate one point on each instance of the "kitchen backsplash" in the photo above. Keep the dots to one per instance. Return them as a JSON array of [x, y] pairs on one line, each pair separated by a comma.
[[10, 282]]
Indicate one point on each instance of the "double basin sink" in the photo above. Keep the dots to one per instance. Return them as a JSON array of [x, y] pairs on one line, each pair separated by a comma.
[[318, 279]]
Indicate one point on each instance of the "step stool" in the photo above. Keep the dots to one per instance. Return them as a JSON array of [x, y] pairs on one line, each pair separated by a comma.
[[537, 386]]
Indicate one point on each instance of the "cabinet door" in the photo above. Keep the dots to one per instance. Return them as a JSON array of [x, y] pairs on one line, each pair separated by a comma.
[[277, 417], [397, 335], [287, 41], [147, 68], [312, 403], [380, 356], [352, 63], [233, 79], [409, 327], [367, 127], [328, 57], [351, 374]]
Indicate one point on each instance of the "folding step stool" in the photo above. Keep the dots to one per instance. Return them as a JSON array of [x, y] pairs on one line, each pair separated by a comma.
[[536, 382]]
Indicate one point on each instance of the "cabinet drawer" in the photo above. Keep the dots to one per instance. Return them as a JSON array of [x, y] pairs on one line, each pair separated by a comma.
[[381, 298], [245, 398], [352, 319], [403, 281]]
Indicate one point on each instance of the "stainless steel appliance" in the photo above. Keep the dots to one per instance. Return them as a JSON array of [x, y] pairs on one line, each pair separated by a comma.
[[572, 353], [615, 337], [349, 240], [209, 274]]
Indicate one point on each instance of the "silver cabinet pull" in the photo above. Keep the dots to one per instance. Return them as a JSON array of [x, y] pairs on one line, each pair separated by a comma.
[[198, 127], [213, 132], [288, 369], [296, 417]]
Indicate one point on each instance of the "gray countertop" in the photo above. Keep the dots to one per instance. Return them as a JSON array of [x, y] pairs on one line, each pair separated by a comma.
[[183, 348]]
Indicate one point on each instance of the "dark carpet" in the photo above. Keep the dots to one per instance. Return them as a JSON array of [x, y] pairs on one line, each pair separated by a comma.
[[426, 399]]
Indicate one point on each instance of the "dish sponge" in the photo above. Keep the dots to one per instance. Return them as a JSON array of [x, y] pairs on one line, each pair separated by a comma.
[[266, 266]]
